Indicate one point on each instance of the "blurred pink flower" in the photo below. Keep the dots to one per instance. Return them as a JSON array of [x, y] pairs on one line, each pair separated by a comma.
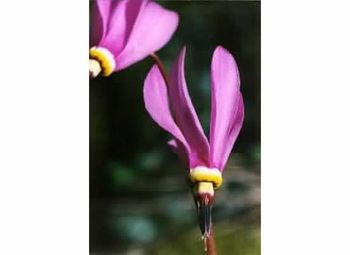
[[127, 31], [171, 108]]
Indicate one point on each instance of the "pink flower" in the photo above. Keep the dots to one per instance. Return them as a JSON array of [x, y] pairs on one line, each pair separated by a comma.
[[127, 31], [171, 108], [177, 115]]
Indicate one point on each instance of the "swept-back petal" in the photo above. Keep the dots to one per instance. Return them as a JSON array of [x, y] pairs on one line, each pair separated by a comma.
[[185, 114], [227, 109], [100, 17], [157, 105], [118, 19], [151, 30]]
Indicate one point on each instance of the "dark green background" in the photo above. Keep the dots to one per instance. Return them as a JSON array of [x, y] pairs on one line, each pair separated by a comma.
[[139, 201]]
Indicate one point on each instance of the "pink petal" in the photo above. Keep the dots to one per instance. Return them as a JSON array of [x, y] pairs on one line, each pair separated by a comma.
[[157, 105], [185, 114], [227, 109], [151, 30], [100, 18], [118, 19]]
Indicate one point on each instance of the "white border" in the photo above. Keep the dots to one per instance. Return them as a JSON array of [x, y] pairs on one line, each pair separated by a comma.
[[305, 127], [44, 109], [44, 127]]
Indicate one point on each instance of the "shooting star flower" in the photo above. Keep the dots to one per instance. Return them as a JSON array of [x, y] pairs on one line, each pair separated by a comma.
[[127, 31], [171, 108]]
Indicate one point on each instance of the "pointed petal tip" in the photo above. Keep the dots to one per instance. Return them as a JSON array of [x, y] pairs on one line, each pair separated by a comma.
[[219, 47], [182, 53], [153, 77], [180, 61], [221, 51], [154, 69], [154, 72], [224, 65]]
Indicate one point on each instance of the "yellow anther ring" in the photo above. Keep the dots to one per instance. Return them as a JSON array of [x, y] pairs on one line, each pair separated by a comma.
[[205, 174], [105, 58]]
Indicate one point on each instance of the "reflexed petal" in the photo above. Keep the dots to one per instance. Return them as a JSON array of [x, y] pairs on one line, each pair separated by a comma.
[[151, 30], [120, 17], [185, 114], [227, 109], [100, 18], [157, 104]]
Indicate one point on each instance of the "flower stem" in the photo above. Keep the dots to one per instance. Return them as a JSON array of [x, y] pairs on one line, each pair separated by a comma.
[[210, 245], [161, 68]]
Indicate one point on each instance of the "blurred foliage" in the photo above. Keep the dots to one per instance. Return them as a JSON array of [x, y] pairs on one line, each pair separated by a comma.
[[240, 241], [138, 193]]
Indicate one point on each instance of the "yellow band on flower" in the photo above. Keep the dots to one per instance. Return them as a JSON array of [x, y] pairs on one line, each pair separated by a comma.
[[105, 58], [204, 174]]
